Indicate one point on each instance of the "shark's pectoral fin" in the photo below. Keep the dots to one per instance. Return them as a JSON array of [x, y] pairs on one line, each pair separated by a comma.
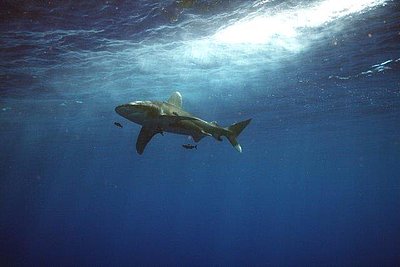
[[197, 138], [144, 138]]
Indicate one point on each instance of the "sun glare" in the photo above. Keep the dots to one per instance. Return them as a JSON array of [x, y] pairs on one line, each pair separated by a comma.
[[288, 24]]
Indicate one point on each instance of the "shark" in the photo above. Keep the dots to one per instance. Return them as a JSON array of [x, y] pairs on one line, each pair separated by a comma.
[[157, 117]]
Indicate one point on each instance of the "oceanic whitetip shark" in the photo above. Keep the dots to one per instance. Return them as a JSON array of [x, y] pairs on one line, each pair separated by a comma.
[[159, 117]]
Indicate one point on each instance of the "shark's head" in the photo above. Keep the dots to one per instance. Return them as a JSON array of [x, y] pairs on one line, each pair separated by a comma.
[[138, 111]]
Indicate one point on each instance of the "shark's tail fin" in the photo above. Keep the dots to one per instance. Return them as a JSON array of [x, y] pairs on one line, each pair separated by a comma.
[[234, 131]]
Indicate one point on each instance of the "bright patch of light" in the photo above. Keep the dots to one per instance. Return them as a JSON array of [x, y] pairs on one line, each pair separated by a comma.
[[284, 26], [262, 2], [257, 30]]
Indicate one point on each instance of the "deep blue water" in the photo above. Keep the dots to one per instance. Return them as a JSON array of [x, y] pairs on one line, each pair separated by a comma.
[[318, 182]]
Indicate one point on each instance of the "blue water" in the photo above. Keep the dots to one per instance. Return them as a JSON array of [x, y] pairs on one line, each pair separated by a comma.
[[318, 182]]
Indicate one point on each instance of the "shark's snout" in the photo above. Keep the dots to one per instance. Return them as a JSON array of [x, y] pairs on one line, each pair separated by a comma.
[[118, 109], [135, 111], [123, 110]]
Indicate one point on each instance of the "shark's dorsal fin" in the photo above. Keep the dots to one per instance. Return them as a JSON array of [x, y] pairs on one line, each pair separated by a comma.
[[176, 99], [144, 138]]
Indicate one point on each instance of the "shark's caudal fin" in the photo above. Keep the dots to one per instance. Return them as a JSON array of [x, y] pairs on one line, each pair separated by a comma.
[[234, 131]]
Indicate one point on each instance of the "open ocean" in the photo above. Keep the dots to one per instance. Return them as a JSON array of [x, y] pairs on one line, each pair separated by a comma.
[[317, 184]]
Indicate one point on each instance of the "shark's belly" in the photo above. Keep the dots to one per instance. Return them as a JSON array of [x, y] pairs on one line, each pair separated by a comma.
[[181, 130], [185, 128]]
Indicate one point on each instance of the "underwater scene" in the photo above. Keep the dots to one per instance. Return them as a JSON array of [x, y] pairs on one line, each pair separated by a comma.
[[200, 133]]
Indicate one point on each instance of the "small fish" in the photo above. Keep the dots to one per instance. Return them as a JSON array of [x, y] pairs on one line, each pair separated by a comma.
[[189, 146], [118, 124]]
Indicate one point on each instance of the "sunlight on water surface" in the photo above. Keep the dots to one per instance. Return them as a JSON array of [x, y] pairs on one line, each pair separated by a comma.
[[280, 28]]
